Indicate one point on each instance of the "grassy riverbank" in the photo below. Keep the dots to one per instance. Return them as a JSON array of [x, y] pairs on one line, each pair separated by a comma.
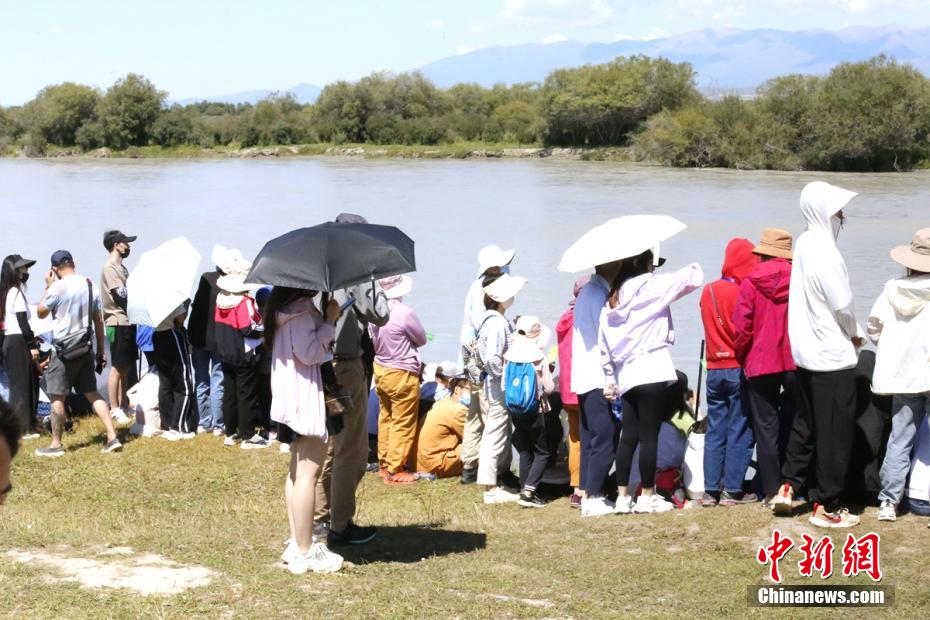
[[440, 552], [458, 150]]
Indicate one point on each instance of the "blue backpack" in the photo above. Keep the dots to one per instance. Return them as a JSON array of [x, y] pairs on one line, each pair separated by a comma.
[[520, 391]]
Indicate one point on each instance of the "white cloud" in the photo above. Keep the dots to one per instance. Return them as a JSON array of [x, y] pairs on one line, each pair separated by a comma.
[[653, 33], [566, 13], [435, 24], [555, 38]]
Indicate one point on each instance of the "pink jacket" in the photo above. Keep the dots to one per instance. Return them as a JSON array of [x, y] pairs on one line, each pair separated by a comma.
[[761, 320], [563, 334], [301, 343]]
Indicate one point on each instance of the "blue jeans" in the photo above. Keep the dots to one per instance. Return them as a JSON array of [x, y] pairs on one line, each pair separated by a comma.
[[908, 413], [208, 378], [728, 441]]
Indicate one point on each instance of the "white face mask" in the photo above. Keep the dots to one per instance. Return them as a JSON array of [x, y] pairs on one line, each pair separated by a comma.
[[441, 392]]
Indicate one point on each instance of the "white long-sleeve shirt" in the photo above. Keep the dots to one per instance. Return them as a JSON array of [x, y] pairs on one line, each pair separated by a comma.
[[900, 325], [587, 374]]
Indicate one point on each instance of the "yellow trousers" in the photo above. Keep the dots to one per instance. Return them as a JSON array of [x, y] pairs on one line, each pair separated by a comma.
[[399, 395]]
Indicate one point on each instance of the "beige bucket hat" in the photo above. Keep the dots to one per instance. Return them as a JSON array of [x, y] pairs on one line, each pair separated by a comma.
[[775, 242], [915, 256]]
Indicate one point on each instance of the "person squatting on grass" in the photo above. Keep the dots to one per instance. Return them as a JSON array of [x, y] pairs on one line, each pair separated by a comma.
[[899, 324], [300, 338], [635, 336]]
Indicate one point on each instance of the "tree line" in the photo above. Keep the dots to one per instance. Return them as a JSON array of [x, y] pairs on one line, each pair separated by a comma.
[[872, 115]]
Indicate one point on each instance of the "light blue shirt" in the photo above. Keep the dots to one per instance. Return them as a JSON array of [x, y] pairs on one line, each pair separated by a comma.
[[67, 300], [587, 373]]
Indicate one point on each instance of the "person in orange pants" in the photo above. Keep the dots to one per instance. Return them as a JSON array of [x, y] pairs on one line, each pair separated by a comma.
[[397, 381], [439, 440]]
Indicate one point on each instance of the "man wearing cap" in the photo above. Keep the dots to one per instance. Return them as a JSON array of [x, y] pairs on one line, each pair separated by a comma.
[[439, 438], [492, 261], [347, 454], [121, 334], [763, 350], [900, 325], [73, 302]]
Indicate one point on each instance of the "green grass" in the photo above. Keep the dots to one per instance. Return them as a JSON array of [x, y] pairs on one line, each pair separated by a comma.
[[440, 552]]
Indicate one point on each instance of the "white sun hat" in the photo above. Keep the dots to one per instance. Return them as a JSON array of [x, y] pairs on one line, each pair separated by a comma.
[[396, 287], [530, 327], [504, 288], [492, 256]]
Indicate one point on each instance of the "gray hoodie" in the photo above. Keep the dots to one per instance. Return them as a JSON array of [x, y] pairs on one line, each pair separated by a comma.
[[370, 307]]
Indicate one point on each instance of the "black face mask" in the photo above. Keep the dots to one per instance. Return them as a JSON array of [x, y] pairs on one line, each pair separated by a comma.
[[24, 277], [125, 253]]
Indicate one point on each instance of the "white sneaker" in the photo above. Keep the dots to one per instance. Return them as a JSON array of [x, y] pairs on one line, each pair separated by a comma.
[[887, 511], [217, 432], [257, 442], [119, 417], [500, 495], [30, 436], [151, 431], [187, 435], [201, 430], [231, 440], [596, 507], [648, 504], [624, 505], [172, 436], [291, 552], [284, 448], [318, 559]]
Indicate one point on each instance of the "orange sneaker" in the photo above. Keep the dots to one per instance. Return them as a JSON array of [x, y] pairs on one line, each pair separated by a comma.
[[401, 477]]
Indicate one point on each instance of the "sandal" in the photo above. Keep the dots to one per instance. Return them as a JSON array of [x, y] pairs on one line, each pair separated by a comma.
[[401, 477]]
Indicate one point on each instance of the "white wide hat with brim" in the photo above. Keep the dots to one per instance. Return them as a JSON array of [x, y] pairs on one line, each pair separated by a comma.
[[529, 326], [396, 287], [524, 350], [235, 284], [504, 288], [619, 238], [228, 260], [447, 369], [492, 256]]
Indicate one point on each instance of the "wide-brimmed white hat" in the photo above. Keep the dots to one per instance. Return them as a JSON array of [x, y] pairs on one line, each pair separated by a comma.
[[915, 256], [530, 327], [504, 288], [447, 368], [524, 350], [229, 260], [492, 256], [235, 284], [396, 287]]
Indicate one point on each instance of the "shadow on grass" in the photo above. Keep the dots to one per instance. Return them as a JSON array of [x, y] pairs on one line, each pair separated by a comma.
[[407, 544]]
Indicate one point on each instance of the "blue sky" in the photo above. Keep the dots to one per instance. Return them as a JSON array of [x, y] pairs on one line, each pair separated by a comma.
[[211, 47]]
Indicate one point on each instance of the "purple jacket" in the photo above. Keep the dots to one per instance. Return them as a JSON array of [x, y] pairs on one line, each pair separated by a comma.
[[761, 320], [397, 342]]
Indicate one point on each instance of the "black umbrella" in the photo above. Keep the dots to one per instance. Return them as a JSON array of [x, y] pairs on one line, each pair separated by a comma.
[[333, 256]]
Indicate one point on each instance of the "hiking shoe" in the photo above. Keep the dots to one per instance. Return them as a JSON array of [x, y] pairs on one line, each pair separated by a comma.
[[231, 440], [113, 445], [529, 499], [596, 507], [500, 495], [371, 468], [218, 432], [59, 451], [649, 504], [509, 481], [401, 477], [119, 417], [708, 500], [624, 505], [352, 535], [469, 476], [839, 519], [783, 502], [734, 499], [887, 511], [318, 559], [291, 552], [575, 500], [172, 435], [257, 442]]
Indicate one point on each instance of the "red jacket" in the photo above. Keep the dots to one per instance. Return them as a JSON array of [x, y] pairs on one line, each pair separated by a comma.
[[718, 317], [761, 320], [563, 336]]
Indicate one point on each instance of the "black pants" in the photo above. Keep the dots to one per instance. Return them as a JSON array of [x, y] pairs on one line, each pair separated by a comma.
[[600, 431], [531, 443], [24, 383], [177, 400], [821, 439], [643, 409], [241, 406], [773, 398]]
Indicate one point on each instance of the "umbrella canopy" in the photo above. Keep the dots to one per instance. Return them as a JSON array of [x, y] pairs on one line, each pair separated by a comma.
[[333, 256], [619, 238], [162, 281]]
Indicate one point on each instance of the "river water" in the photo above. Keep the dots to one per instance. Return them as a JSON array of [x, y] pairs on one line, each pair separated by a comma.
[[451, 209]]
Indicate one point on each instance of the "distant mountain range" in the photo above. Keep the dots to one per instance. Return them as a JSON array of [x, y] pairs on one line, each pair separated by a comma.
[[303, 93], [726, 59]]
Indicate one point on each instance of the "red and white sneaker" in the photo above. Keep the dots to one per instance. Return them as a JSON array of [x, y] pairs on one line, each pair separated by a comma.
[[783, 502], [839, 519]]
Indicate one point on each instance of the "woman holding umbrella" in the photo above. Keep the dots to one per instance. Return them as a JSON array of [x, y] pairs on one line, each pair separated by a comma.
[[300, 339]]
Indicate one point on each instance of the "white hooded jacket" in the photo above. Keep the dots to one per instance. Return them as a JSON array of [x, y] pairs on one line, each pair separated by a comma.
[[821, 319], [899, 325]]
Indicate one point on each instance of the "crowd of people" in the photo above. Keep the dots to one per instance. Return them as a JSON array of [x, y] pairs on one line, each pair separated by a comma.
[[338, 380]]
